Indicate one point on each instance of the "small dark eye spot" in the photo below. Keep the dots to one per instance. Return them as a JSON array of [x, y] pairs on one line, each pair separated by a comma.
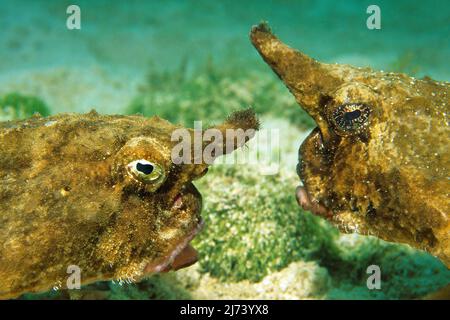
[[144, 171], [351, 117], [145, 168]]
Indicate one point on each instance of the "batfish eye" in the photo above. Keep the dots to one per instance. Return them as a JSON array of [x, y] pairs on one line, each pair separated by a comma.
[[351, 116], [145, 168], [145, 171]]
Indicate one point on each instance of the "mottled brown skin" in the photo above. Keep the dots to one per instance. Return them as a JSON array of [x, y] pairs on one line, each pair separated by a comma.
[[389, 176], [66, 198]]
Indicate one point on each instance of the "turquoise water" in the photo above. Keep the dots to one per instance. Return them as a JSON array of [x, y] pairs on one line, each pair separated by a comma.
[[107, 64], [129, 34]]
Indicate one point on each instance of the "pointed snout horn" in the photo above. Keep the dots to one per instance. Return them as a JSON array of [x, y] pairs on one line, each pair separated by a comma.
[[307, 79]]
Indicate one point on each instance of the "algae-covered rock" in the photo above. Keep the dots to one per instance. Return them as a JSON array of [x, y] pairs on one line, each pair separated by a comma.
[[15, 106]]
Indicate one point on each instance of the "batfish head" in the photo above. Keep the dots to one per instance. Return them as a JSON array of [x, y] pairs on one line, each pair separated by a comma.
[[372, 147], [153, 174]]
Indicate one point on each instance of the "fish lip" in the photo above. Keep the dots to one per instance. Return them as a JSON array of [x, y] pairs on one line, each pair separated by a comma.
[[188, 190], [309, 203], [165, 265], [312, 161]]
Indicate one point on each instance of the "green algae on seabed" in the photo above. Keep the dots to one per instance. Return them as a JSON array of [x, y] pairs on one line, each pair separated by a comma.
[[14, 106], [253, 226]]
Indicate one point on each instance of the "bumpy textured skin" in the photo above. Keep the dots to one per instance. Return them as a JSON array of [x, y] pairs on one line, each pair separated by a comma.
[[66, 199], [390, 178]]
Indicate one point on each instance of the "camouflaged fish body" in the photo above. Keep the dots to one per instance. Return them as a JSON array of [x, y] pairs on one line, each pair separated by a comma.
[[378, 161], [95, 191]]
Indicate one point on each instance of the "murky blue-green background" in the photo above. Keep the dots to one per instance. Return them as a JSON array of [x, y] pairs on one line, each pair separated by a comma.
[[129, 34]]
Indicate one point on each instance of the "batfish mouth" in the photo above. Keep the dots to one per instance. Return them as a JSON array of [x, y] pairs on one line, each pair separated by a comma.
[[308, 203], [183, 254], [312, 168]]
